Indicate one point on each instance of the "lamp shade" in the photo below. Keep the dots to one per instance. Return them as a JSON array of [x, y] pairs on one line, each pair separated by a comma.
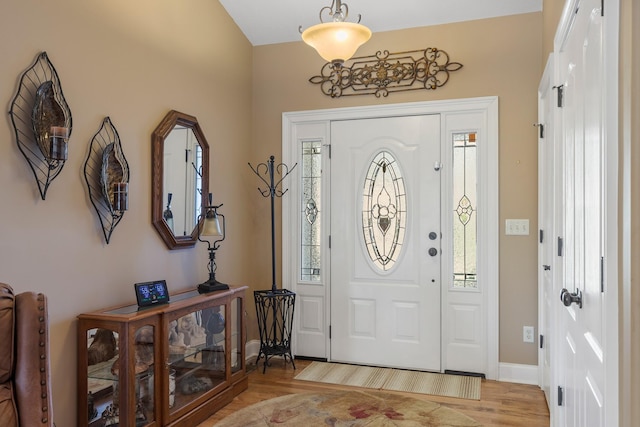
[[336, 42], [211, 226]]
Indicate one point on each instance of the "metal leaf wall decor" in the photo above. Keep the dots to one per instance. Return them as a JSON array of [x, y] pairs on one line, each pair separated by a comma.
[[105, 168], [385, 72], [38, 106]]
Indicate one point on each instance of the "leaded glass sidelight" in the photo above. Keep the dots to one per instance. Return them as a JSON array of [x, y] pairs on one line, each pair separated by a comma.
[[384, 210], [311, 209], [465, 212]]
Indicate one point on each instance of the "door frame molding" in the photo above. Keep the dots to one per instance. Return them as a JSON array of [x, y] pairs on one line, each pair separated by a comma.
[[547, 199], [488, 177]]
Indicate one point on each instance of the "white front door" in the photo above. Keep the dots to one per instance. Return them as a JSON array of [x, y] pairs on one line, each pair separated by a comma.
[[444, 306], [581, 373], [385, 242]]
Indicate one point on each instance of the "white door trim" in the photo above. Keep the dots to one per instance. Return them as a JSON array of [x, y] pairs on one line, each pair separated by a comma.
[[546, 199], [489, 226], [611, 188]]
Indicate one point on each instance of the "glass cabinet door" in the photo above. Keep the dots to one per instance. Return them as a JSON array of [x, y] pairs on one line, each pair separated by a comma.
[[197, 361], [105, 384], [143, 345], [236, 335], [102, 384]]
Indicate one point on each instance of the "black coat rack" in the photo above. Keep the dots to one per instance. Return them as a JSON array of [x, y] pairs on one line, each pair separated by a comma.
[[274, 307]]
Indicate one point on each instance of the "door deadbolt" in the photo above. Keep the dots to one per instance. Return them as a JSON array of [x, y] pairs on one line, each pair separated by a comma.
[[433, 235]]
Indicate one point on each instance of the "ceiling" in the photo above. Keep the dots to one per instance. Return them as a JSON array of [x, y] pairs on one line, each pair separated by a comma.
[[277, 21]]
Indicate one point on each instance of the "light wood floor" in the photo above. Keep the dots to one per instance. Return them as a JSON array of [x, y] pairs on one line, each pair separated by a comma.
[[502, 404]]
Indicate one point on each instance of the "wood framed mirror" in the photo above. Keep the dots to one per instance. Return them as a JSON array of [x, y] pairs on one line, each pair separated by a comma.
[[180, 178]]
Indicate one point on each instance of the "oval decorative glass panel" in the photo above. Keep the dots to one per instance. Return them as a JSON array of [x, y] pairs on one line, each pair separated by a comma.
[[384, 210]]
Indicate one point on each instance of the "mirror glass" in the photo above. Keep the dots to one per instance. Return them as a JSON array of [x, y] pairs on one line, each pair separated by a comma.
[[180, 158]]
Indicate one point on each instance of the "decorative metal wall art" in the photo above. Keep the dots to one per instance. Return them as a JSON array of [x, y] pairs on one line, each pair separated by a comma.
[[107, 174], [385, 72], [42, 121]]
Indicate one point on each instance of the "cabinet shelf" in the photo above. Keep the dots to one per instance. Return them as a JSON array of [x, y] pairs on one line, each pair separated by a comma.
[[199, 340], [102, 371]]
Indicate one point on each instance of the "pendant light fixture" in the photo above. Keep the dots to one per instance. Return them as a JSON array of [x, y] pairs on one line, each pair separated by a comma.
[[338, 40]]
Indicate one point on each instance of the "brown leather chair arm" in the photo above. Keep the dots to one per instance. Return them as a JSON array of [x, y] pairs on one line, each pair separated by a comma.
[[7, 324], [32, 375], [8, 410]]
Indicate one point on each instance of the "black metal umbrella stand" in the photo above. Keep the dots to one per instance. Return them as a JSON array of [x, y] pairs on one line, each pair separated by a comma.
[[274, 307]]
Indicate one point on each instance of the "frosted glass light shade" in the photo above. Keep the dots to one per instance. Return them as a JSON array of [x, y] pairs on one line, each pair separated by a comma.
[[211, 226], [336, 42]]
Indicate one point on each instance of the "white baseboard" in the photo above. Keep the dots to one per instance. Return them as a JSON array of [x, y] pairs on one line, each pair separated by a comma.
[[517, 373], [251, 350]]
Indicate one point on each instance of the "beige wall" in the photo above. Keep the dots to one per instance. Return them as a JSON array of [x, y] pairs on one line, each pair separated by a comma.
[[132, 61], [501, 57]]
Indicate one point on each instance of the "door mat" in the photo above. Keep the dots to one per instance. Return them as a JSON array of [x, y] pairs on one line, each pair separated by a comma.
[[460, 386]]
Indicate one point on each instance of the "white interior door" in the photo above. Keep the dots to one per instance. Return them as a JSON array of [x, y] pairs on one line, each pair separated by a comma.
[[581, 373], [385, 242]]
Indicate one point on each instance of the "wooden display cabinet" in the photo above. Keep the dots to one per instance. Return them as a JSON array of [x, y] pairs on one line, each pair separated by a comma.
[[169, 365]]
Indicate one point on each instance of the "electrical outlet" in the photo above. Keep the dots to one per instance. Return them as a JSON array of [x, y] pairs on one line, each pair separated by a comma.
[[527, 333]]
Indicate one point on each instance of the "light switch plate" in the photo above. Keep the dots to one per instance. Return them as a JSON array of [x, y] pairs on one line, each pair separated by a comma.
[[517, 227]]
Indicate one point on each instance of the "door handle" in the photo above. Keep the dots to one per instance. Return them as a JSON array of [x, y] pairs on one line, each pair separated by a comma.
[[433, 251], [546, 267], [569, 298]]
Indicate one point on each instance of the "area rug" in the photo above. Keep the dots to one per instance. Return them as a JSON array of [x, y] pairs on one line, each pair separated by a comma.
[[460, 386], [346, 408]]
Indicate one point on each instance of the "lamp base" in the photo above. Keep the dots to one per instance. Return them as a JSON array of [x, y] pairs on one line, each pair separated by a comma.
[[211, 285]]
